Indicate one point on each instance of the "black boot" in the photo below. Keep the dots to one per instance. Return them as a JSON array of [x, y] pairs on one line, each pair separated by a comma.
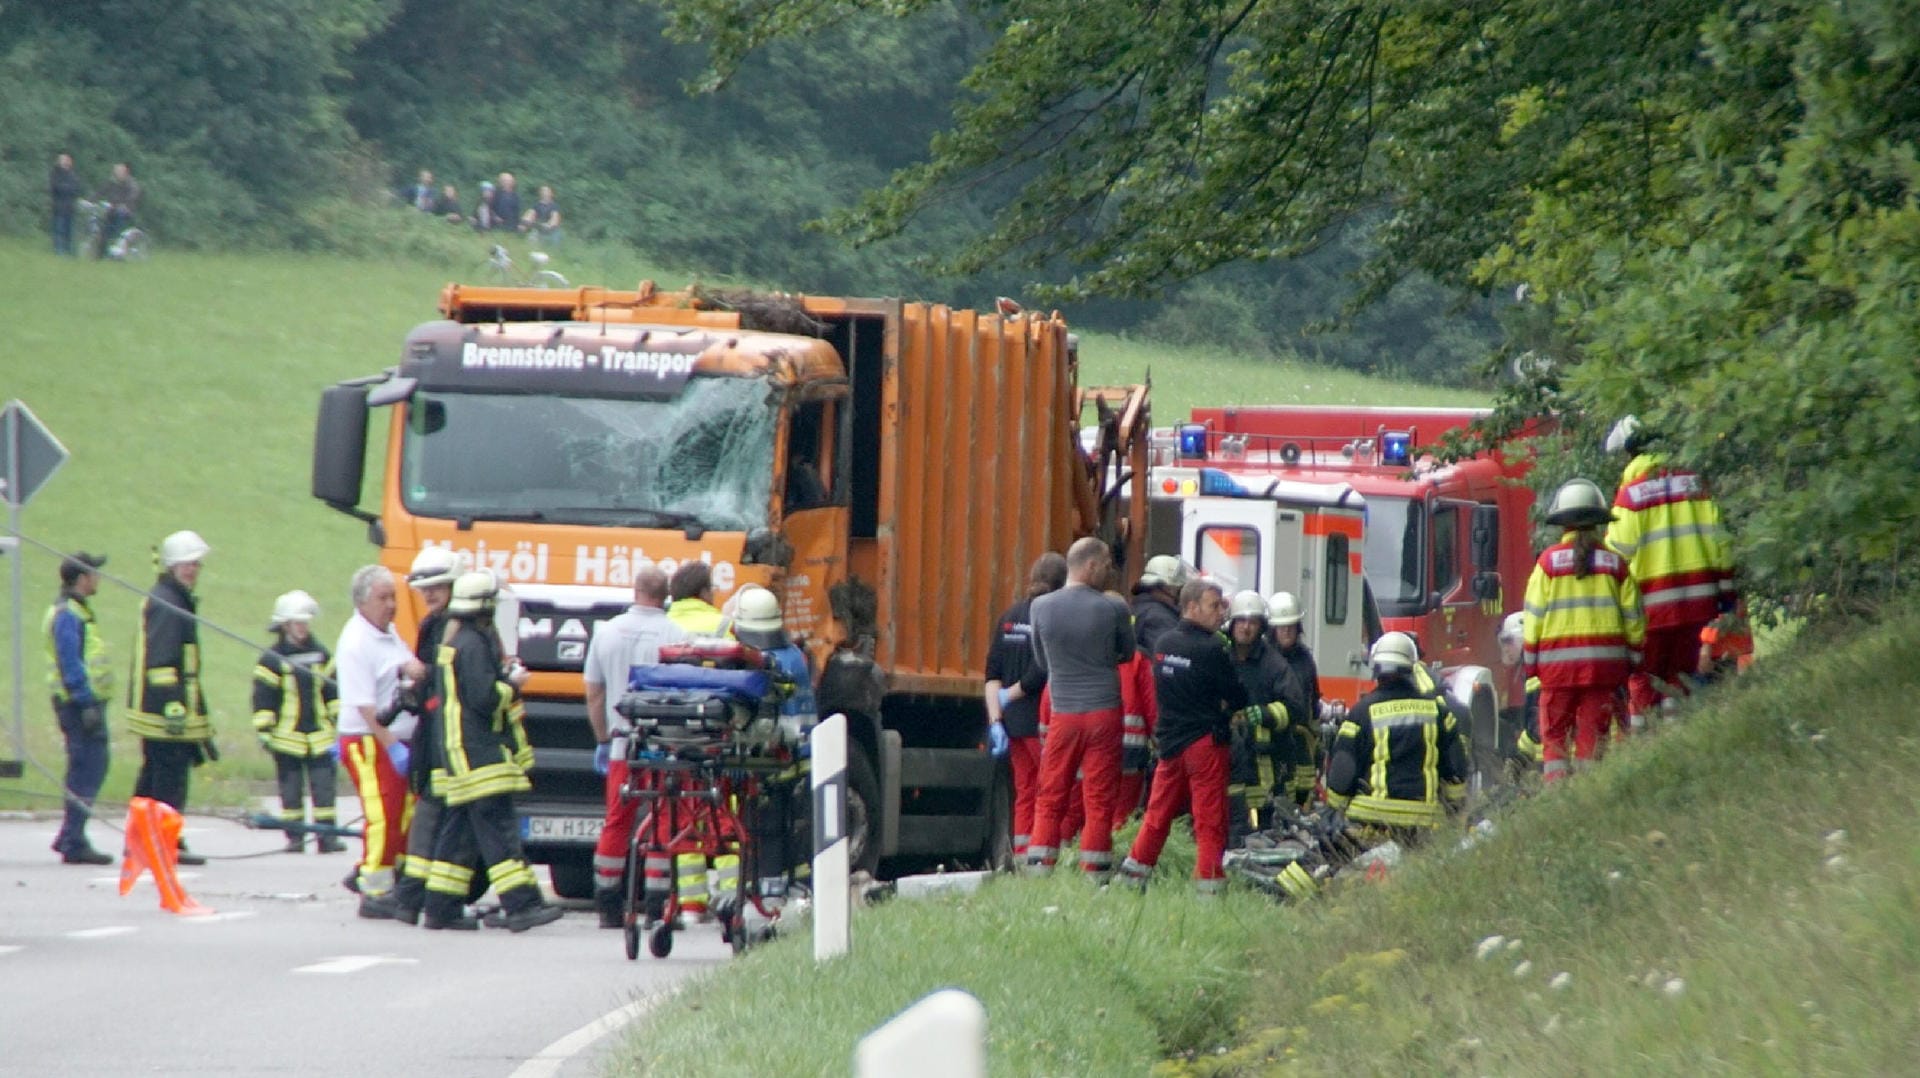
[[540, 913], [296, 843], [613, 908], [329, 844]]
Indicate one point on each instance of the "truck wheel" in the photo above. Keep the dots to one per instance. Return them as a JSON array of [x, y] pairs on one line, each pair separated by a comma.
[[572, 877], [863, 811]]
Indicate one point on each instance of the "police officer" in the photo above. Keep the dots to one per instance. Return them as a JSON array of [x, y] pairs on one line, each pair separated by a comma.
[[1013, 719], [1198, 694], [1261, 744], [78, 676], [170, 712], [1398, 764], [1156, 597], [296, 716], [486, 756]]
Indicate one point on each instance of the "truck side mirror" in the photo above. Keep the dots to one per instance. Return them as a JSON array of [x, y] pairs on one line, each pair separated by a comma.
[[340, 446], [1485, 537]]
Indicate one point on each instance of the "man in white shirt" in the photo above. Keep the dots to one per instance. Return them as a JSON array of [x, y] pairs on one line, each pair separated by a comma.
[[371, 664], [632, 639]]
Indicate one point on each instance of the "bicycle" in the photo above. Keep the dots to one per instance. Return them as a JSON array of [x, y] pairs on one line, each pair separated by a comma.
[[129, 246], [500, 269]]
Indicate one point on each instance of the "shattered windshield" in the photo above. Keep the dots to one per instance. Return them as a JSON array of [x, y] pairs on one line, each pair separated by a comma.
[[1392, 556], [702, 459]]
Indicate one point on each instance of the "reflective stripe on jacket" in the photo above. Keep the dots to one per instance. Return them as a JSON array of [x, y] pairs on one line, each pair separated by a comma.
[[484, 749], [1396, 756], [294, 707], [1581, 630], [165, 693], [1669, 531]]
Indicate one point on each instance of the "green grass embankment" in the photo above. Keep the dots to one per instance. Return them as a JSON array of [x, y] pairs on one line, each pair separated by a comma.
[[1737, 895]]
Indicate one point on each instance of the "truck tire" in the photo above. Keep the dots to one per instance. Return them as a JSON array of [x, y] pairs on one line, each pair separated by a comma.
[[572, 877]]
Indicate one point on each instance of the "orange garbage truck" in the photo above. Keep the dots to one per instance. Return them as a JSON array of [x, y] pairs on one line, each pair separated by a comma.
[[888, 468]]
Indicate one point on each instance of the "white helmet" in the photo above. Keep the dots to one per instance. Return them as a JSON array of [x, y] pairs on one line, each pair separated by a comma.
[[1246, 604], [1393, 653], [295, 605], [756, 610], [1514, 628], [1165, 571], [435, 565], [1579, 504], [181, 548], [473, 593], [1283, 609], [1624, 435]]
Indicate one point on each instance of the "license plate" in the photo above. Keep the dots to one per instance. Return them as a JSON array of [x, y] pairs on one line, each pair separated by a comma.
[[560, 828]]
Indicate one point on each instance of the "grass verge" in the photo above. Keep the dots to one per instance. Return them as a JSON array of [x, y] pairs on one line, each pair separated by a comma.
[[1738, 895]]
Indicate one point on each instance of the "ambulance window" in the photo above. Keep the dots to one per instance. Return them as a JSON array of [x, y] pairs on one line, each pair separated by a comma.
[[1446, 550], [1337, 577], [1231, 555]]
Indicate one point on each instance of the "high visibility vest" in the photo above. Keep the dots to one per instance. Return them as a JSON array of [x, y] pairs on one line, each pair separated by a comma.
[[1581, 630], [699, 618], [93, 651], [1669, 531]]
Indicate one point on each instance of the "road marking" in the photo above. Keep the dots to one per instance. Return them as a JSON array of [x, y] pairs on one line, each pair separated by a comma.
[[7, 950], [354, 963], [100, 933], [145, 880], [547, 1062], [231, 915]]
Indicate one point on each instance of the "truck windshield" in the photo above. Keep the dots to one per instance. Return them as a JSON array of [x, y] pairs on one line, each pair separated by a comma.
[[704, 458], [1393, 556]]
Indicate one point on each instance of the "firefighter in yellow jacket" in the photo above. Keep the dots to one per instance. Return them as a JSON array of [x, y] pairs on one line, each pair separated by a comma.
[[481, 761], [1398, 764], [296, 715], [169, 711]]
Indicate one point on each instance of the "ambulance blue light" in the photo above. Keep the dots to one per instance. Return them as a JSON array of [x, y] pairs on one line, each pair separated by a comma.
[[1216, 482], [1396, 447], [1193, 441]]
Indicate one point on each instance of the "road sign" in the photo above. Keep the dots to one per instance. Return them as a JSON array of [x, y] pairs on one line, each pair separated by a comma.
[[29, 454]]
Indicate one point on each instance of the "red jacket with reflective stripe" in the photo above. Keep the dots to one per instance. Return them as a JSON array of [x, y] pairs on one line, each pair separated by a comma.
[[1581, 631], [1669, 531]]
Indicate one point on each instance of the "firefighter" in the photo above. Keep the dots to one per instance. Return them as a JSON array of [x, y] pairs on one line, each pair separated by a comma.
[[758, 624], [80, 679], [1584, 628], [485, 757], [1198, 693], [1398, 764], [691, 592], [1013, 720], [296, 717], [169, 710], [431, 577], [1669, 531], [1521, 715], [1155, 598], [1301, 742], [632, 639], [1261, 763]]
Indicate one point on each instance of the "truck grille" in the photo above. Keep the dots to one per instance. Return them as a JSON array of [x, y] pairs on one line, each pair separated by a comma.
[[554, 638]]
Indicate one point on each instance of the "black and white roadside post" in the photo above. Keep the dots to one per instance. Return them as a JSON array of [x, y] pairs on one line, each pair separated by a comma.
[[831, 850], [29, 455]]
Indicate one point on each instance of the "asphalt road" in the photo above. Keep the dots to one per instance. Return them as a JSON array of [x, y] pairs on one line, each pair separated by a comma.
[[284, 979]]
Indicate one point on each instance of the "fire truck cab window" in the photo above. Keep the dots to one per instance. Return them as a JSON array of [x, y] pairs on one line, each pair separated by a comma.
[[1394, 556], [809, 465], [1446, 550]]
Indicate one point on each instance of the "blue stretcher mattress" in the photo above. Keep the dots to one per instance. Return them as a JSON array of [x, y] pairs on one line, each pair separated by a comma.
[[745, 686]]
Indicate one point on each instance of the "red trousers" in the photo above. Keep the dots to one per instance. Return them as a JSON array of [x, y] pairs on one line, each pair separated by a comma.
[[1583, 712], [1196, 779], [1670, 653], [1126, 798], [1024, 754], [1088, 742], [386, 804], [610, 853]]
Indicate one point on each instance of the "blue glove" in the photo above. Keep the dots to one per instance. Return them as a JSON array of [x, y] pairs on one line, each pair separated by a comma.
[[602, 758], [399, 756], [996, 739], [1006, 694]]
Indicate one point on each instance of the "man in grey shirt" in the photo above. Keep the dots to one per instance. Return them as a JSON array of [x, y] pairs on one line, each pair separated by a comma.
[[1080, 638], [632, 639]]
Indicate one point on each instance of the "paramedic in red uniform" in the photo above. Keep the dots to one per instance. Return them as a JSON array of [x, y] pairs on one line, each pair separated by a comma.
[[1013, 725]]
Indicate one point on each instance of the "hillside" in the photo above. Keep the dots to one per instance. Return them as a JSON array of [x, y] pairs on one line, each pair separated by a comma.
[[1737, 895], [185, 389]]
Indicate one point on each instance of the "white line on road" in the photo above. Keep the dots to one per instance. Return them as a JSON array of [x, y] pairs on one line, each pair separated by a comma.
[[100, 933], [209, 918], [547, 1062], [6, 950], [354, 963]]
